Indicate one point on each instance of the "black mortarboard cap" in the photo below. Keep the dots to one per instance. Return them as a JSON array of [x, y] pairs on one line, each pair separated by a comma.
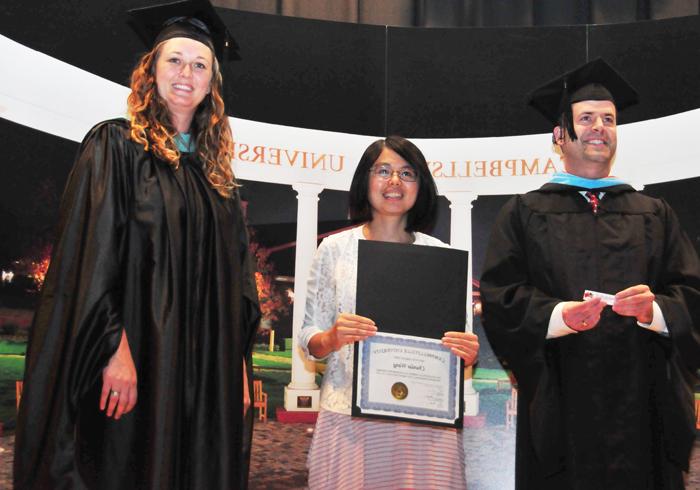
[[596, 80], [194, 19]]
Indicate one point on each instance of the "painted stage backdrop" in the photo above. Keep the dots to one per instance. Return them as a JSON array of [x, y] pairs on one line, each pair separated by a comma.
[[308, 98]]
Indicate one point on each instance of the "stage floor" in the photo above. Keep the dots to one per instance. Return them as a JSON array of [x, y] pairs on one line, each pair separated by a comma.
[[279, 457]]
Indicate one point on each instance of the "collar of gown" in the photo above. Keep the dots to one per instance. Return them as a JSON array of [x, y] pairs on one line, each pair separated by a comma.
[[576, 181], [184, 142]]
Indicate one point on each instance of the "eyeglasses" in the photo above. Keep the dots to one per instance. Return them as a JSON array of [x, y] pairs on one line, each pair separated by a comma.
[[385, 172]]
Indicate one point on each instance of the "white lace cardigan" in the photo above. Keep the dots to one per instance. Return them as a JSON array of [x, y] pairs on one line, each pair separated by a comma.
[[331, 291]]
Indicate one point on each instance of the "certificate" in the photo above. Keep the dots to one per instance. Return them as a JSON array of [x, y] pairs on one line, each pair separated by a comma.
[[414, 294], [406, 377]]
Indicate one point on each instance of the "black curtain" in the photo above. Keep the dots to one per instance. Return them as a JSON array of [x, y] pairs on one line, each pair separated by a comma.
[[472, 13]]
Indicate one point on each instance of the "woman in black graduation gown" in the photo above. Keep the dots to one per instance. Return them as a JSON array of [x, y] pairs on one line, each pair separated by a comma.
[[136, 364]]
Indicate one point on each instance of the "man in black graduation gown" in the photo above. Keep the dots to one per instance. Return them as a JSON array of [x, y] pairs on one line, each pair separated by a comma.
[[605, 390]]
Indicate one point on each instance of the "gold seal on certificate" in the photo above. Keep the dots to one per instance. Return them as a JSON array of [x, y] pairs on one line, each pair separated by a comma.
[[399, 390]]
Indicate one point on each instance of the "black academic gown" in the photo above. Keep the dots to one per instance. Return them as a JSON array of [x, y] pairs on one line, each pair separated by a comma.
[[610, 408], [160, 254]]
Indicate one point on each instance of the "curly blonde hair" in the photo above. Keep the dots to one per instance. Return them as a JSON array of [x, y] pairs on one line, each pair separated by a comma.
[[151, 126]]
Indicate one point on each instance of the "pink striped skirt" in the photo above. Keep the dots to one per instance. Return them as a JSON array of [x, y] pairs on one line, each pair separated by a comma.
[[352, 453]]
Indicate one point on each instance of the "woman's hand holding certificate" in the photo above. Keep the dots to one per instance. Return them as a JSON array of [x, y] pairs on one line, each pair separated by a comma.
[[347, 329], [462, 344]]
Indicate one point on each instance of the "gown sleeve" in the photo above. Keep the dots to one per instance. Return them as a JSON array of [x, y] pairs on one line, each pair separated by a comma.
[[78, 323], [516, 313], [250, 311], [679, 293], [516, 316]]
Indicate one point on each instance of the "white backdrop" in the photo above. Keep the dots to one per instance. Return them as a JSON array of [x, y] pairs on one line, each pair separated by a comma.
[[52, 96]]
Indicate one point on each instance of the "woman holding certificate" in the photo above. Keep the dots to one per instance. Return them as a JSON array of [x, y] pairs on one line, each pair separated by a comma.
[[392, 198]]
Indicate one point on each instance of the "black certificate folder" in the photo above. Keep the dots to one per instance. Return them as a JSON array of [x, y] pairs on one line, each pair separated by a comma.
[[412, 289], [414, 294]]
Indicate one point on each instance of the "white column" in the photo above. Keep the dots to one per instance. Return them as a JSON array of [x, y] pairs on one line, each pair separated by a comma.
[[302, 393], [461, 238]]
